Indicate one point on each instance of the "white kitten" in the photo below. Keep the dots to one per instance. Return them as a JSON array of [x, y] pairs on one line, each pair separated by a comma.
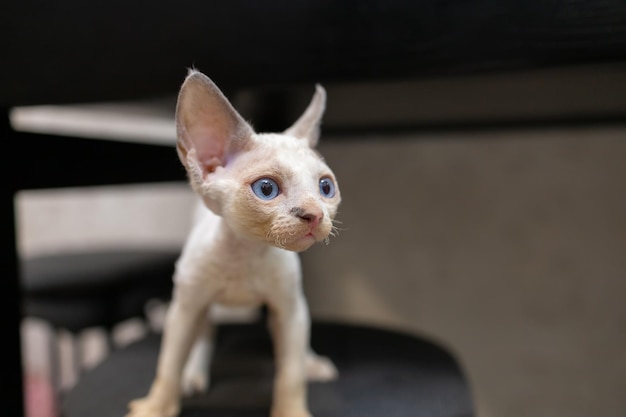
[[270, 196]]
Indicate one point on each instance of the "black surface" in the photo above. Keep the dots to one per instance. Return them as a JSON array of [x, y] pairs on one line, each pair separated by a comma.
[[125, 49], [382, 373], [49, 161], [91, 272], [76, 291], [11, 378]]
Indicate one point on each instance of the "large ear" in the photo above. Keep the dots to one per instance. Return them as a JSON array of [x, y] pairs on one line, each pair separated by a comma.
[[308, 125], [207, 125]]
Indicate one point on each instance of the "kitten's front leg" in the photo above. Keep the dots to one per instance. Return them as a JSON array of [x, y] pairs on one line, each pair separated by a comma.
[[184, 316], [196, 376], [289, 324]]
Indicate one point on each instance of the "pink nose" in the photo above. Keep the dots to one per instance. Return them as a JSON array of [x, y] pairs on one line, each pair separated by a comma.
[[312, 218]]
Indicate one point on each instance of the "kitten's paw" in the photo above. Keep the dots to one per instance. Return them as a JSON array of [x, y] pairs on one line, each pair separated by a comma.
[[194, 383], [147, 407], [320, 368]]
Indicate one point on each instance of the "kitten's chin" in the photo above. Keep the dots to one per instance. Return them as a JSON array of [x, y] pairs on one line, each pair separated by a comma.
[[301, 244], [295, 244]]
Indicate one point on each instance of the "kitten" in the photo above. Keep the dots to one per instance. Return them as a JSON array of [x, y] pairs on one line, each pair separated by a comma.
[[269, 196]]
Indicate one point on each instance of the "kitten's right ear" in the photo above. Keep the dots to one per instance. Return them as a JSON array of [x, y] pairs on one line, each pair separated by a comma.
[[308, 125], [207, 126]]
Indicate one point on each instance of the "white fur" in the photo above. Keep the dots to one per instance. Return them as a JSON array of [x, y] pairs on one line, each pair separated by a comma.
[[242, 252]]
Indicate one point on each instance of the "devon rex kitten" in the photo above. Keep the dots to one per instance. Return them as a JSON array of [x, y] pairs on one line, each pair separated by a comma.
[[269, 196]]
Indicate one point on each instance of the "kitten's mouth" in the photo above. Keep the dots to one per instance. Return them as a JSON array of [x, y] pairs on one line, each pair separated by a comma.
[[309, 236], [316, 232], [298, 237], [303, 242]]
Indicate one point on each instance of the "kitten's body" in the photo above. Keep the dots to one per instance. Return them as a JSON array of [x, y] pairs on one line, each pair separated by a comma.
[[270, 196]]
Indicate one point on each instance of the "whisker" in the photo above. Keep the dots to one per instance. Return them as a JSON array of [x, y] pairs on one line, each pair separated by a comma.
[[335, 229]]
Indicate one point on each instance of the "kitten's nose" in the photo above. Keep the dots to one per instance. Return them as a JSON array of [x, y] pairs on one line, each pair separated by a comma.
[[310, 216]]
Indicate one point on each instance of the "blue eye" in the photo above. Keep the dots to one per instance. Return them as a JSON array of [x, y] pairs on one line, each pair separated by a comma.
[[265, 188], [327, 187]]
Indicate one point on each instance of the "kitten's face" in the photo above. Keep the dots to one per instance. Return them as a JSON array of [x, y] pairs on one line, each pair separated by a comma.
[[273, 188], [278, 191]]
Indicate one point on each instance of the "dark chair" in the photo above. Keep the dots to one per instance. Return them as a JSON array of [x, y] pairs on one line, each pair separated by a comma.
[[381, 373]]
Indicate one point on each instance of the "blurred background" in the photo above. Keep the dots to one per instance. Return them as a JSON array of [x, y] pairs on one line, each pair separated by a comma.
[[479, 148]]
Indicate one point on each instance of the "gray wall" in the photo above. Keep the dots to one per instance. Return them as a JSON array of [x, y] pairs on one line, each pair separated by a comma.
[[509, 248]]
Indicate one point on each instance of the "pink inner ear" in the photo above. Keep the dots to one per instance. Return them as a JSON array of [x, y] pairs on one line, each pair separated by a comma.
[[207, 123], [210, 147]]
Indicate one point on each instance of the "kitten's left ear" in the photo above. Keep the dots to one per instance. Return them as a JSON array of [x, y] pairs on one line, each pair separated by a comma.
[[308, 125], [209, 129]]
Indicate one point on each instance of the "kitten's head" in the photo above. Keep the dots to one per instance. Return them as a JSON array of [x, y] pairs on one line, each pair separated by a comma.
[[272, 187]]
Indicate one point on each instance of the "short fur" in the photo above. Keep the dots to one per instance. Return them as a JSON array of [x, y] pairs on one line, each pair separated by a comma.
[[242, 251]]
